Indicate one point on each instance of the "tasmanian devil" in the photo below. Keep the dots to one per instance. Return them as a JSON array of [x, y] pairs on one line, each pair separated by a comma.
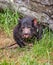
[[27, 27]]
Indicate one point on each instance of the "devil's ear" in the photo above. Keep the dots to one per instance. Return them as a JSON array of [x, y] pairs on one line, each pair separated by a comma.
[[34, 21]]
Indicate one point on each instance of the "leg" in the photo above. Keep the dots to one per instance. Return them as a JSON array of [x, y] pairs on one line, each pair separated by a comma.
[[19, 42]]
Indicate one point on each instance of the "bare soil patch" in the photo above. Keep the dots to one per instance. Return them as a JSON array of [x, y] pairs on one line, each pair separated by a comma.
[[6, 40]]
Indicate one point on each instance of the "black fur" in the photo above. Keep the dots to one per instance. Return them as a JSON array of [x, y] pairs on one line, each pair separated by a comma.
[[36, 30]]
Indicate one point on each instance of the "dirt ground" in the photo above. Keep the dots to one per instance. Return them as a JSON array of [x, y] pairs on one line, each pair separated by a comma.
[[6, 40]]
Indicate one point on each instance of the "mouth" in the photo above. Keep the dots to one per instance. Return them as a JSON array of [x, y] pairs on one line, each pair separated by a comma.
[[26, 35]]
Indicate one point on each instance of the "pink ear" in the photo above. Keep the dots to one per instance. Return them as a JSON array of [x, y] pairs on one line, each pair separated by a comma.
[[35, 21]]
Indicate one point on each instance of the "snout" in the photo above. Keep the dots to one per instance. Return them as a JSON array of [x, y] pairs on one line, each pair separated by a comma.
[[26, 33]]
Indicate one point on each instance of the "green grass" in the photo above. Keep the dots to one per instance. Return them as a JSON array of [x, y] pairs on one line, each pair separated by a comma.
[[8, 20], [39, 54], [7, 63], [40, 50]]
